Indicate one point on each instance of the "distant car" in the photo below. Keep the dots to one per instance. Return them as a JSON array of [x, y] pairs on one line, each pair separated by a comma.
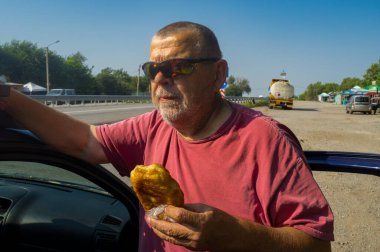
[[61, 91], [359, 103]]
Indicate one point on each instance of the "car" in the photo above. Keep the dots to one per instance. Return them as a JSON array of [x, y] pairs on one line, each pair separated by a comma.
[[50, 201], [55, 94], [61, 91], [53, 202], [358, 103]]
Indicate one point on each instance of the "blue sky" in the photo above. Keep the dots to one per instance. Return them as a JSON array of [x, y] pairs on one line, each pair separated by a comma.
[[312, 40]]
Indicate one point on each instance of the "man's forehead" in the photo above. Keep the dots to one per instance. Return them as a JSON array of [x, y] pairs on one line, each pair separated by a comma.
[[180, 45]]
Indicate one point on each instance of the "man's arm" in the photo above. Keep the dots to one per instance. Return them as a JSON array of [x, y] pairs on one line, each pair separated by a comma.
[[59, 130], [207, 228]]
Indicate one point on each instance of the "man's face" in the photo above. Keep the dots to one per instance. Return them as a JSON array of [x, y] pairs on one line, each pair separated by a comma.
[[183, 97]]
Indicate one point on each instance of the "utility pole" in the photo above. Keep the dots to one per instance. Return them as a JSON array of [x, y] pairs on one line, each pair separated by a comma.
[[47, 66], [138, 81]]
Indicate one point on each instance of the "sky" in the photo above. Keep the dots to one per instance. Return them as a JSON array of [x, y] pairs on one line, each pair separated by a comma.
[[311, 40]]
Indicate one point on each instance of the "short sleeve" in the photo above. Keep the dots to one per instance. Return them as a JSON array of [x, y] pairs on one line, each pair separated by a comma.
[[124, 142], [287, 189]]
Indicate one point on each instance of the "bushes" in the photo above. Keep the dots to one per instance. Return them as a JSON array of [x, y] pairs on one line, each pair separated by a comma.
[[258, 103]]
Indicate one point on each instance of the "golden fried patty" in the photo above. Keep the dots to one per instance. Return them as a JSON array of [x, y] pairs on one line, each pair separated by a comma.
[[154, 186]]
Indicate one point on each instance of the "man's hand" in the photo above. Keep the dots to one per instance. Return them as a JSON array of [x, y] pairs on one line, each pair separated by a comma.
[[196, 227]]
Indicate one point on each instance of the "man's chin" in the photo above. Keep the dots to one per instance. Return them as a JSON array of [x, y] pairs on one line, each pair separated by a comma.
[[170, 116]]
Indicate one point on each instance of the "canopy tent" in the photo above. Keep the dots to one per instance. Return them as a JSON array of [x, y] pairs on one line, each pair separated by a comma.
[[373, 88], [354, 91], [323, 97], [358, 89], [31, 88]]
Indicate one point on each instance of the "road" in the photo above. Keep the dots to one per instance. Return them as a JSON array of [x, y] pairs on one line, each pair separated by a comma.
[[354, 198], [98, 114]]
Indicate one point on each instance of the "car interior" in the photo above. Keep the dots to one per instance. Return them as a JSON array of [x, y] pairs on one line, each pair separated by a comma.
[[52, 202]]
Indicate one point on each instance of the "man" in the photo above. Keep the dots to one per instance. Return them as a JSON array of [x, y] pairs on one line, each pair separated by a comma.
[[246, 183]]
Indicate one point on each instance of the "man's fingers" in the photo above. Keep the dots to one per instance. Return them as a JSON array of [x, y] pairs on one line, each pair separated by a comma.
[[192, 216], [173, 232]]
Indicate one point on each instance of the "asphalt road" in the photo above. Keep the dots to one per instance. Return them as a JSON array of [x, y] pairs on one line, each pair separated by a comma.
[[98, 114]]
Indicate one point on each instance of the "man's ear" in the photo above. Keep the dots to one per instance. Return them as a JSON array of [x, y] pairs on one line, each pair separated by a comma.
[[221, 73]]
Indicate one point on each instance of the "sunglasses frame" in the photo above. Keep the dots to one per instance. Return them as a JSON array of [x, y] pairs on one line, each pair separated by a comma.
[[166, 67]]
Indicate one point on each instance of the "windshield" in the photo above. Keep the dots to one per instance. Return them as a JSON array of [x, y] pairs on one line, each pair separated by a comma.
[[55, 92], [45, 173], [362, 99]]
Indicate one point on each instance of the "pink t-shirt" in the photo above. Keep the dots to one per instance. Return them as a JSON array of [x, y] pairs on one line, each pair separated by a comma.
[[252, 167]]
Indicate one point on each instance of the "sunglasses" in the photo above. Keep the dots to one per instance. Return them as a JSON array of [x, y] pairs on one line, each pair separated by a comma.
[[173, 67]]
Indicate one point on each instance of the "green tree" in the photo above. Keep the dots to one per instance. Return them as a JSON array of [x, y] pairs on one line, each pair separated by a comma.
[[78, 75], [349, 82], [312, 91], [144, 85], [22, 61], [331, 87], [115, 82], [372, 74], [237, 86]]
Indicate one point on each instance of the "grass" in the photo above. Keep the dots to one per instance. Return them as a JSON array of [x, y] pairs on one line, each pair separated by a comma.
[[259, 103]]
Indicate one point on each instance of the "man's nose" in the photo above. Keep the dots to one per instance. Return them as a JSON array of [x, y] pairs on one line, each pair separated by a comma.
[[161, 78]]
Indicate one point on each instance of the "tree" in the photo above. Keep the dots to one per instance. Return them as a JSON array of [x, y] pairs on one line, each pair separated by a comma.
[[78, 75], [115, 82], [22, 61], [372, 73], [144, 84], [331, 87], [237, 86], [349, 82]]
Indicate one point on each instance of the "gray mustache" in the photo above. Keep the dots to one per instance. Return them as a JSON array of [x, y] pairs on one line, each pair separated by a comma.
[[161, 92]]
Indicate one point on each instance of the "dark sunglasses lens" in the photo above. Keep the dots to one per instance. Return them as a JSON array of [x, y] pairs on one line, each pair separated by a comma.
[[183, 67], [170, 68], [151, 69], [145, 67]]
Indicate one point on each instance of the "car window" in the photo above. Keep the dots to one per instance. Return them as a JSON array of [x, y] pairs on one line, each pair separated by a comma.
[[362, 99], [44, 173], [55, 92]]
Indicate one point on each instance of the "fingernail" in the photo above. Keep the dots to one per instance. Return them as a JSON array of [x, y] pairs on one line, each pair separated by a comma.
[[147, 219]]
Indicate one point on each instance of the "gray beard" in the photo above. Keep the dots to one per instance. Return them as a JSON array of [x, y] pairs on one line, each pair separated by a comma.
[[174, 112]]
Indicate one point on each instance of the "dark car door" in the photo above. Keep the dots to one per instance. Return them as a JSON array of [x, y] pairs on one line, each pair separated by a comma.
[[53, 202]]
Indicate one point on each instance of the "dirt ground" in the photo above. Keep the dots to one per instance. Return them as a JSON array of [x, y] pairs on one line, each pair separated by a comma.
[[354, 198]]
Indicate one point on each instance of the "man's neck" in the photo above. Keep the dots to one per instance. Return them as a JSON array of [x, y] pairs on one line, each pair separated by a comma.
[[208, 124]]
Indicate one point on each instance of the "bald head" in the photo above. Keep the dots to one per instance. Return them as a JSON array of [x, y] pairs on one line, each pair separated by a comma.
[[202, 40]]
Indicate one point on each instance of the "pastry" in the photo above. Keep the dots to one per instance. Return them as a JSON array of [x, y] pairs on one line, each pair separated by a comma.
[[154, 186]]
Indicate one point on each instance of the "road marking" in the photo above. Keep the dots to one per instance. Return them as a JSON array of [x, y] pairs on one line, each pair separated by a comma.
[[102, 110]]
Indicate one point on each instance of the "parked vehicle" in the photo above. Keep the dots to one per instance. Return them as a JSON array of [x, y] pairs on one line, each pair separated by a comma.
[[281, 93], [61, 91], [358, 103], [375, 104]]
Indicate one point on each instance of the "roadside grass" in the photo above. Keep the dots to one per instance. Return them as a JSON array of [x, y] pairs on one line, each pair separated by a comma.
[[259, 103]]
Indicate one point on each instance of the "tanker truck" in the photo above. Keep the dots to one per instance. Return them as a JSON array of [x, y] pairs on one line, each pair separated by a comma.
[[281, 94]]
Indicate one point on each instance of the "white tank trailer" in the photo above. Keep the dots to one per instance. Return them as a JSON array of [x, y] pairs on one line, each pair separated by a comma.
[[281, 94]]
